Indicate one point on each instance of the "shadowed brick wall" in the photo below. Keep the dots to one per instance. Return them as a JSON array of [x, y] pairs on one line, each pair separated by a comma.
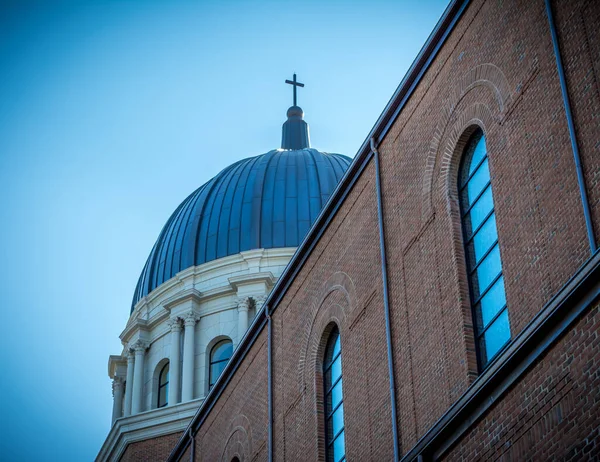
[[552, 412], [153, 449]]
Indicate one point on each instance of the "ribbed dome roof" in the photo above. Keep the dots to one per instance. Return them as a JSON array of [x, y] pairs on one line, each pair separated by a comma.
[[266, 201]]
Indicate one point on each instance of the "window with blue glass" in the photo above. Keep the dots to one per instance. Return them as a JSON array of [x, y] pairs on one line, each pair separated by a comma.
[[163, 386], [334, 400], [486, 282], [219, 357]]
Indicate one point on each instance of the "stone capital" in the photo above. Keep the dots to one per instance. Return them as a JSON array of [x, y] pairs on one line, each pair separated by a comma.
[[259, 301], [190, 318], [139, 346], [243, 303], [174, 324], [117, 385]]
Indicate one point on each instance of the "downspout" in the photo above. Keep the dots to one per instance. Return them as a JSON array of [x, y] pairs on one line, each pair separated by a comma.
[[386, 302], [573, 136], [270, 380], [193, 446]]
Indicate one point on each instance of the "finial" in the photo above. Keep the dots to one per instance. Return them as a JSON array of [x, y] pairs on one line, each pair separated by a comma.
[[295, 129], [295, 84]]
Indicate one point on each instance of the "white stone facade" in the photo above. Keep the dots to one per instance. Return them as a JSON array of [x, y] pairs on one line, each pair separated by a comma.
[[179, 322]]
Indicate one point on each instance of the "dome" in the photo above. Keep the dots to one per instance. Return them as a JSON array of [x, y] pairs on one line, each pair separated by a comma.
[[267, 201]]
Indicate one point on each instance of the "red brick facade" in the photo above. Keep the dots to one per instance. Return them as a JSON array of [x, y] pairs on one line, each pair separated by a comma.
[[496, 70], [154, 449], [552, 412]]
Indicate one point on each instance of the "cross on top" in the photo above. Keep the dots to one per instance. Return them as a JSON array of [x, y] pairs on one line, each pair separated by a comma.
[[295, 84]]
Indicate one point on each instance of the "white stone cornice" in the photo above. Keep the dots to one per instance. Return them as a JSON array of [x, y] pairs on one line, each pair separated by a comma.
[[157, 319], [265, 277], [132, 327], [117, 366], [188, 295], [217, 292], [244, 261], [146, 425]]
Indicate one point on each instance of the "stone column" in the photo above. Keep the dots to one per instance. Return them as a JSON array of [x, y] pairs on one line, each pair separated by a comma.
[[174, 361], [243, 306], [117, 398], [129, 383], [138, 377], [187, 379]]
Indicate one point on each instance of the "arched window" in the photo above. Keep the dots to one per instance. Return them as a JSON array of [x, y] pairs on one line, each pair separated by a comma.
[[334, 400], [163, 386], [488, 299], [219, 356]]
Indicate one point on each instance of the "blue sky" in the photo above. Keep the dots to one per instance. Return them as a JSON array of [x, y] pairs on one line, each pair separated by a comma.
[[111, 113]]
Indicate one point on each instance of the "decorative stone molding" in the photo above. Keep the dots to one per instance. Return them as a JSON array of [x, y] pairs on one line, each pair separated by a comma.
[[190, 318], [252, 259], [117, 366], [139, 346], [133, 326], [175, 324], [188, 295], [259, 302], [265, 277], [243, 303]]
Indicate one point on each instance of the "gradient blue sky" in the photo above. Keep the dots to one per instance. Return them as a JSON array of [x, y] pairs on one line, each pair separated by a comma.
[[111, 113]]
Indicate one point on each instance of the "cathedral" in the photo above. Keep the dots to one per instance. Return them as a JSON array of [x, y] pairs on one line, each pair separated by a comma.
[[435, 298]]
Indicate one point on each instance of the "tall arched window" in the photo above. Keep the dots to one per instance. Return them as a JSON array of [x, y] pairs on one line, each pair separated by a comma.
[[334, 399], [163, 386], [219, 356], [488, 299]]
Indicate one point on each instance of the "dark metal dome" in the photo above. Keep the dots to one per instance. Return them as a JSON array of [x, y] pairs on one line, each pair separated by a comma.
[[266, 201]]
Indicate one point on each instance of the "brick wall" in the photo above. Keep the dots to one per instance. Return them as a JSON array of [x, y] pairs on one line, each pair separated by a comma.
[[552, 412], [150, 450], [497, 71]]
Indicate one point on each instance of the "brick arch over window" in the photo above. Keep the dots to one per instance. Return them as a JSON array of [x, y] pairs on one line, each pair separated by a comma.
[[239, 440], [485, 75], [488, 75], [335, 303], [466, 121], [471, 117]]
